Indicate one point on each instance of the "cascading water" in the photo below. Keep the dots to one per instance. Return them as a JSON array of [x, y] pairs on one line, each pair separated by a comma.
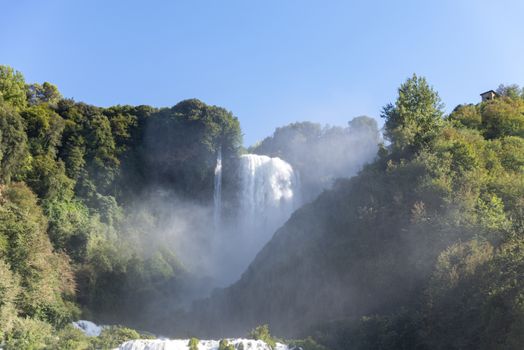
[[268, 194], [268, 189], [217, 194], [182, 344], [92, 330]]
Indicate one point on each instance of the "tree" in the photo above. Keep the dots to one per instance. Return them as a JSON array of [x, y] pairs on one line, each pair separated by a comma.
[[503, 116], [12, 87], [181, 145], [44, 129], [262, 333], [13, 143], [45, 276], [46, 93], [415, 118], [9, 292], [224, 345], [193, 344], [48, 180], [467, 115], [511, 91], [102, 162]]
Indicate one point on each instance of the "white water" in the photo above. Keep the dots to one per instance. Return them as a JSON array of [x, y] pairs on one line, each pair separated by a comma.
[[217, 195], [182, 344], [89, 328], [268, 194], [92, 330], [269, 188]]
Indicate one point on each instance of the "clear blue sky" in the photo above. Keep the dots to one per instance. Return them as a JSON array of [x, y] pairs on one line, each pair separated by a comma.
[[270, 62]]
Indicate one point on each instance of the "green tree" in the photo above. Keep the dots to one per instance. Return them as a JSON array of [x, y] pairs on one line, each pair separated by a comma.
[[72, 338], [467, 115], [224, 345], [9, 292], [30, 334], [12, 87], [512, 91], [503, 116], [48, 180], [44, 129], [102, 162], [182, 142], [46, 277], [114, 336], [193, 344], [415, 118], [45, 93], [262, 333], [13, 144]]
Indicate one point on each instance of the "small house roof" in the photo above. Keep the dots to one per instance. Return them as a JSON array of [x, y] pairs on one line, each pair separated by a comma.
[[488, 92]]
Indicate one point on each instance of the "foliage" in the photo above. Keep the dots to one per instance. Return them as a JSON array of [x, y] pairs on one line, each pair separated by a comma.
[[9, 292], [467, 115], [30, 334], [414, 120], [182, 142], [224, 345], [193, 344], [503, 117], [46, 277], [306, 344], [13, 144], [12, 87], [46, 93], [71, 338], [422, 249], [113, 336], [262, 333], [470, 296]]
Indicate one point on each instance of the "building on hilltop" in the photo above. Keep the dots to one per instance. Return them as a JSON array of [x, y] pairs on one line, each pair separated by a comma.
[[488, 95]]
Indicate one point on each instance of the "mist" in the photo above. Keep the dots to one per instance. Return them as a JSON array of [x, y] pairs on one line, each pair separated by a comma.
[[217, 239], [322, 154], [196, 241]]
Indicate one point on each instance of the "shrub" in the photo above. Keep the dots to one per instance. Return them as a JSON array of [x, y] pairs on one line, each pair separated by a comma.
[[30, 334], [262, 333], [193, 344], [113, 336]]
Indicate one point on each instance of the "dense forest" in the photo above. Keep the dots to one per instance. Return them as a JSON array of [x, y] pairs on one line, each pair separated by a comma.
[[422, 249], [68, 173]]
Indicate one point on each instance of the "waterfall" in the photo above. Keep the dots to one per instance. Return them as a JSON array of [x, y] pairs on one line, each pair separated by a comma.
[[268, 192], [217, 194], [267, 195]]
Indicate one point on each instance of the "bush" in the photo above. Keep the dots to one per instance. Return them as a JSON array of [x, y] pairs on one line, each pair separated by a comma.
[[224, 345], [113, 336], [193, 344], [9, 291], [306, 344], [71, 338], [262, 333], [30, 334]]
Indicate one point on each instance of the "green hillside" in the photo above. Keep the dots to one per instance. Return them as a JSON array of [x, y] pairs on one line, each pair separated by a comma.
[[421, 250]]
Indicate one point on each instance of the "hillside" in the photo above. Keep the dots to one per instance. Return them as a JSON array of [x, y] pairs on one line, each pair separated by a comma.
[[423, 249], [101, 210]]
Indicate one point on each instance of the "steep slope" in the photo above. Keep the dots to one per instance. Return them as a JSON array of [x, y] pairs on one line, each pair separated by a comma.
[[421, 250], [323, 264]]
